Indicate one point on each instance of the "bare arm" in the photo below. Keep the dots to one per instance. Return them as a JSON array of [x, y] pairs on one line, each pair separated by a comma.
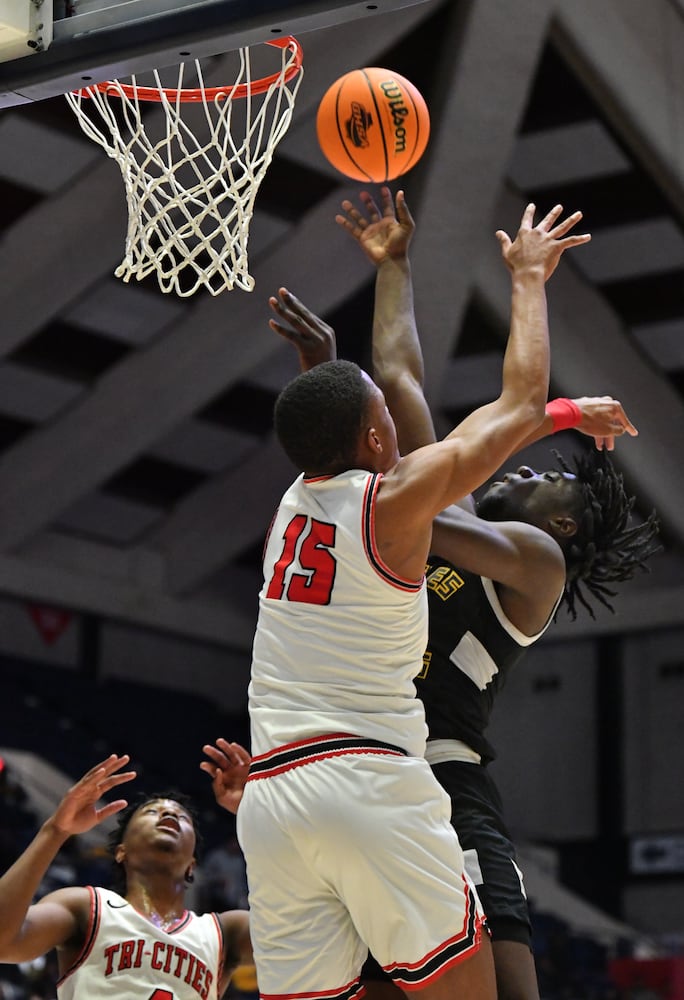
[[235, 925], [385, 237], [436, 476], [526, 563], [27, 931]]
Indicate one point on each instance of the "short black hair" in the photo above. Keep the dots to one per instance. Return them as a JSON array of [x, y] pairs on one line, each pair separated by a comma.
[[607, 548], [318, 417], [118, 872]]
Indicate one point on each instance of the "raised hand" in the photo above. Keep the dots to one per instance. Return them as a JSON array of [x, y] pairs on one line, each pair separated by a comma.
[[78, 811], [228, 768], [311, 336], [382, 234], [604, 419], [540, 246]]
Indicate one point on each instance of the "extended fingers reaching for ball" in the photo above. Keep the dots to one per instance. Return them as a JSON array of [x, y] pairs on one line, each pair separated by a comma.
[[383, 234]]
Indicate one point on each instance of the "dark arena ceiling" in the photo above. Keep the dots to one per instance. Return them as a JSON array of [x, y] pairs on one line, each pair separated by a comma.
[[138, 467]]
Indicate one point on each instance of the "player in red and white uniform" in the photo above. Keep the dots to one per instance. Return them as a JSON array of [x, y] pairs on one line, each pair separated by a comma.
[[139, 942], [345, 831]]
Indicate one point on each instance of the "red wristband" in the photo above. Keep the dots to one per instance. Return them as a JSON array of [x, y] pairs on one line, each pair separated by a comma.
[[565, 413]]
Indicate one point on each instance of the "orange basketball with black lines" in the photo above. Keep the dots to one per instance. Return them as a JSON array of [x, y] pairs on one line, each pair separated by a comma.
[[373, 125]]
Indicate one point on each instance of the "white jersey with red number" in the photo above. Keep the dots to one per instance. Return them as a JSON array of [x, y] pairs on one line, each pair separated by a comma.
[[340, 637], [126, 957]]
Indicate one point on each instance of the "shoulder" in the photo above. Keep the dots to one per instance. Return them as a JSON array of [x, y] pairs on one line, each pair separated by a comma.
[[63, 916], [76, 899]]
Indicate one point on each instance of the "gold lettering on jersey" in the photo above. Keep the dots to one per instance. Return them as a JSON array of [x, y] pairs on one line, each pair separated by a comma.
[[444, 582], [162, 956], [427, 659]]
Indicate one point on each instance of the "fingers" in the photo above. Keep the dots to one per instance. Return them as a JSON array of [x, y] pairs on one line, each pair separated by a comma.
[[288, 307], [528, 217], [605, 442], [108, 765], [371, 207], [504, 240], [103, 776], [236, 753], [558, 232], [626, 425], [218, 757], [344, 222], [550, 217], [403, 214], [387, 202], [283, 331], [562, 228], [117, 779], [110, 809], [225, 754], [354, 221]]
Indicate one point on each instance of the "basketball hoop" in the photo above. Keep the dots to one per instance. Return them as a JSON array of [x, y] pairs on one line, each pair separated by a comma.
[[190, 191]]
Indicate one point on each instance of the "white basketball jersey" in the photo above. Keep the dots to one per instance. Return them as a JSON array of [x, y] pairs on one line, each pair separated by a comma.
[[340, 637], [126, 957]]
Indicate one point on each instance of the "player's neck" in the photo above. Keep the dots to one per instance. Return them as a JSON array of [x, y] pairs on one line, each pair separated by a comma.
[[162, 905]]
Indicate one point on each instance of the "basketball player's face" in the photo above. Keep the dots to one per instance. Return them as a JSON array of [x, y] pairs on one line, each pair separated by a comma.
[[529, 496], [163, 824]]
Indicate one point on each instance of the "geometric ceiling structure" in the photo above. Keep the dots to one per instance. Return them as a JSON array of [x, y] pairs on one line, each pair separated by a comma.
[[138, 466]]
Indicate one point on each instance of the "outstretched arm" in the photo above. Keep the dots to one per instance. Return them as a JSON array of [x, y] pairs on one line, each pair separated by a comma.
[[28, 931], [385, 236], [481, 442]]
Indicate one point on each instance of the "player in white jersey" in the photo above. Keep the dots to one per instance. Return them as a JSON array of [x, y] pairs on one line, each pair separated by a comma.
[[345, 831], [140, 942]]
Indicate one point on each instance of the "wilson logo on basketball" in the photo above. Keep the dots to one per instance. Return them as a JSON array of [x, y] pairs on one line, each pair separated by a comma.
[[398, 111], [357, 126]]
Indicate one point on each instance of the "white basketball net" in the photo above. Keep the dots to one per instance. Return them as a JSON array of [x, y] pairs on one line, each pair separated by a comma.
[[191, 196]]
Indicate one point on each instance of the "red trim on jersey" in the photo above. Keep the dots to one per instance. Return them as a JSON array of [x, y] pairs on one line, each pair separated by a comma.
[[179, 925], [221, 982], [291, 755], [324, 755], [284, 747], [370, 545], [90, 935], [353, 989], [467, 941]]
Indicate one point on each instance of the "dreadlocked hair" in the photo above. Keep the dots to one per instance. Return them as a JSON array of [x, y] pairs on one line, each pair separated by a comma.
[[117, 834], [606, 548]]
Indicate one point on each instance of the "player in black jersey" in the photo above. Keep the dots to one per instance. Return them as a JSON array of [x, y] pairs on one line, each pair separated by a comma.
[[494, 580]]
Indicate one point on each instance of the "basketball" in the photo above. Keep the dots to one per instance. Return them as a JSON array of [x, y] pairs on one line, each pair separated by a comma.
[[373, 125]]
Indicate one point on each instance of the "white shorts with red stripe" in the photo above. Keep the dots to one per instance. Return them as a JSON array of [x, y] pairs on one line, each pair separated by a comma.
[[349, 847]]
